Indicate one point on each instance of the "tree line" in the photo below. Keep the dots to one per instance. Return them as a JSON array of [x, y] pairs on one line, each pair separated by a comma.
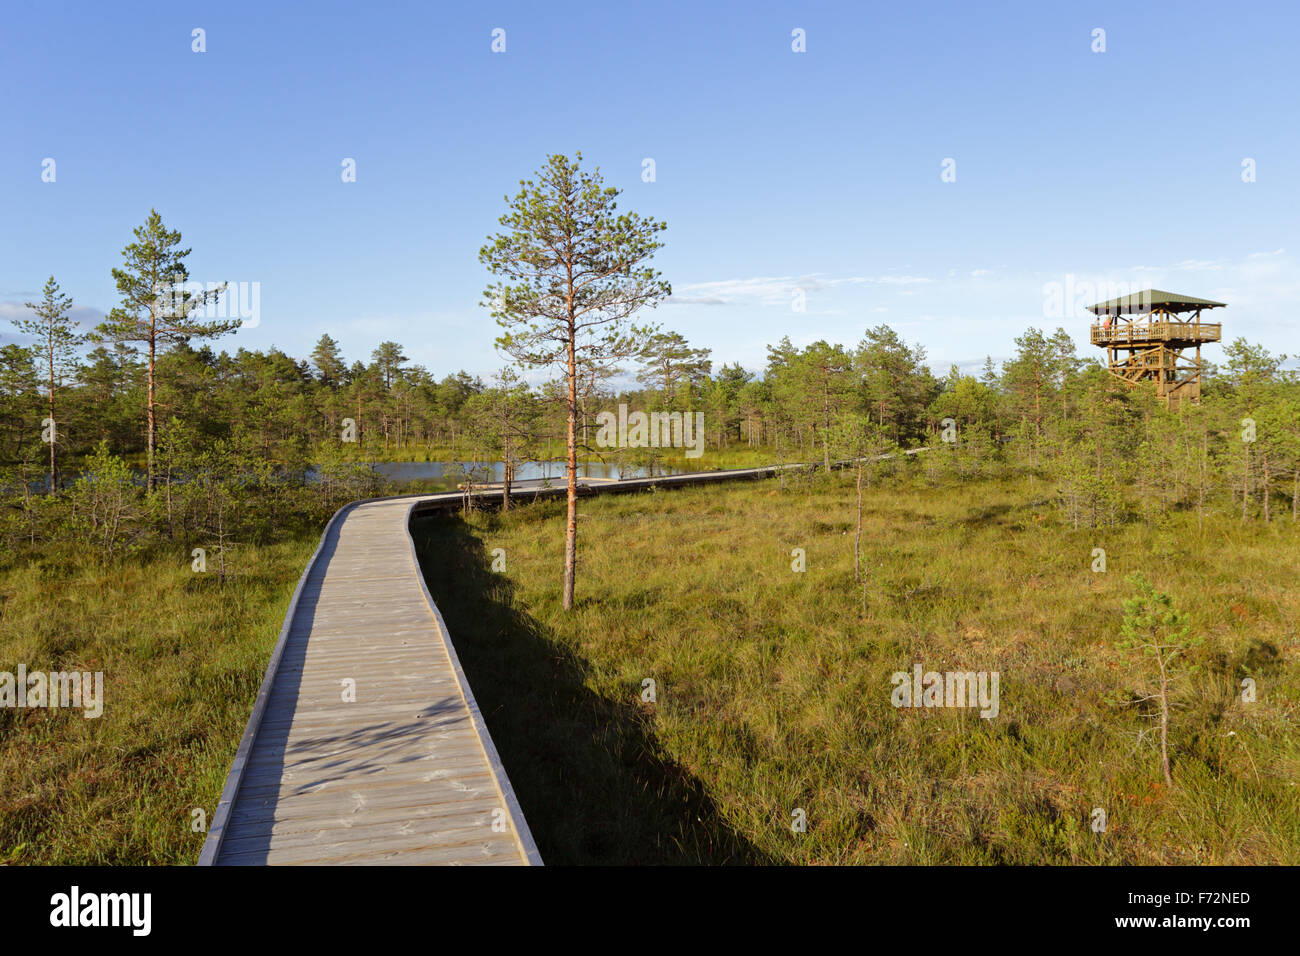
[[147, 386], [291, 411]]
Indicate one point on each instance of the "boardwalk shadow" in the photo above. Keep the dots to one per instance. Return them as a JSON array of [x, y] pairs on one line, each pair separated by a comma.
[[593, 782]]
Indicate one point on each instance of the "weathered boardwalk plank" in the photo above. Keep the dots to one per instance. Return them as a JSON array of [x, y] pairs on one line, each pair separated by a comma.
[[407, 772]]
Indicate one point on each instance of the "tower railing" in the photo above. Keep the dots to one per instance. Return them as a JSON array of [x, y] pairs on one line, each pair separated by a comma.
[[1141, 333]]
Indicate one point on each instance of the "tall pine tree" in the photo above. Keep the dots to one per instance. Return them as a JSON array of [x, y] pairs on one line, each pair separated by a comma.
[[157, 309]]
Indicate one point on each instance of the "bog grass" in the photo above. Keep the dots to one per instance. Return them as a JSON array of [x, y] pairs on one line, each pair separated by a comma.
[[182, 658], [773, 687]]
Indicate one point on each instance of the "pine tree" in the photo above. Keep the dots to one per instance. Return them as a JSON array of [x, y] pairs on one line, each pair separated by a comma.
[[56, 344], [668, 360], [1154, 628], [327, 358], [574, 272], [158, 309]]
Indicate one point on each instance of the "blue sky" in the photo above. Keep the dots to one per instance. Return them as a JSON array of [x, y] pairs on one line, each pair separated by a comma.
[[776, 171]]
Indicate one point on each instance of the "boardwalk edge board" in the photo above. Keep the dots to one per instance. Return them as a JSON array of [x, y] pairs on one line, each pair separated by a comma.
[[523, 836], [217, 831]]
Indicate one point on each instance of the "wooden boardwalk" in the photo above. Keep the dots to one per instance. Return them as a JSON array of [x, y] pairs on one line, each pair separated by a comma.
[[365, 745], [404, 774]]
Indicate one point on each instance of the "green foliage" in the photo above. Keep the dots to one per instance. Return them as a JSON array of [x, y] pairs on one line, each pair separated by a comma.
[[667, 359], [572, 272], [896, 384], [1152, 625], [105, 506], [157, 306], [573, 269], [56, 349]]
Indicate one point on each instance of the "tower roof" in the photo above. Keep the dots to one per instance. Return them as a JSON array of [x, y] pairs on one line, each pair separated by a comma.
[[1148, 300]]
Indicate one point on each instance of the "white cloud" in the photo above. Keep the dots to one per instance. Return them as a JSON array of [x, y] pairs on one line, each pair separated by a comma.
[[776, 290], [676, 299], [83, 316]]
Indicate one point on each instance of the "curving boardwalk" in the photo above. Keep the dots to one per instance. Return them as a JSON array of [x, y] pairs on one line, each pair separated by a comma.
[[404, 774], [365, 745]]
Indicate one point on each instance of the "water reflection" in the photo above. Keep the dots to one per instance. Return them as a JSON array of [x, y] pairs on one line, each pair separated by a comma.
[[528, 471], [449, 473]]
